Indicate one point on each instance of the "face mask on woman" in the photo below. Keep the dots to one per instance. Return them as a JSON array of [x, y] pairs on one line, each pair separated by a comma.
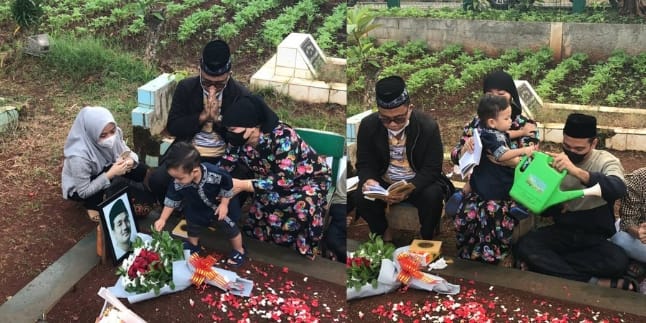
[[108, 142], [236, 138]]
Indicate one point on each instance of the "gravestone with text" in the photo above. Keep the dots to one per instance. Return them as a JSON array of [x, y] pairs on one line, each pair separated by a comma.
[[529, 99], [299, 56], [301, 70]]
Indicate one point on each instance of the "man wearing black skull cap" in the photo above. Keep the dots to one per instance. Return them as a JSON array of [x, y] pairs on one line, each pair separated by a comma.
[[576, 246], [400, 143], [197, 105]]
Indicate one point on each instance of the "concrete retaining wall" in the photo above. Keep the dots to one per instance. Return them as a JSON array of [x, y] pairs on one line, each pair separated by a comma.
[[493, 37]]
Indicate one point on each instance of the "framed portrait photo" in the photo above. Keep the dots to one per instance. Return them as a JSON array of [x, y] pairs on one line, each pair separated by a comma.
[[119, 225]]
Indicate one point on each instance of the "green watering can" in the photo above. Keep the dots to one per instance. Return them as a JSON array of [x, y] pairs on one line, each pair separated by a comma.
[[537, 184]]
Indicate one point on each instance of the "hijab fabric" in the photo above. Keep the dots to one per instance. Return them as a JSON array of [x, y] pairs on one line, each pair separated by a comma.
[[82, 140], [501, 80], [250, 111]]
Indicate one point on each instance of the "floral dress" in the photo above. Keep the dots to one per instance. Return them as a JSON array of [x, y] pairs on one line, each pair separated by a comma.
[[484, 226], [291, 188], [484, 229]]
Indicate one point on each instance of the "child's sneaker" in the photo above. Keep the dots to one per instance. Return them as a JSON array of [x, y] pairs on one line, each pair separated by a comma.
[[454, 204]]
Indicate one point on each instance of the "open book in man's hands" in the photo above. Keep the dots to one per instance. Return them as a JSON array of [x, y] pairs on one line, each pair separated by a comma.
[[398, 188], [470, 159]]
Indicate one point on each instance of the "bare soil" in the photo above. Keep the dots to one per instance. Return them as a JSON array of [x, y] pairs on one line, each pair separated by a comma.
[[279, 293], [38, 226], [477, 302]]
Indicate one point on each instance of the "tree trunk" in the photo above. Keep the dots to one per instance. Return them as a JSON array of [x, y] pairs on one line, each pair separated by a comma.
[[629, 7]]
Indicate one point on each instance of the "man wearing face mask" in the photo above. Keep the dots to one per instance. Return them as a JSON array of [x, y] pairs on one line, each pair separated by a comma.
[[400, 143], [196, 109], [576, 246]]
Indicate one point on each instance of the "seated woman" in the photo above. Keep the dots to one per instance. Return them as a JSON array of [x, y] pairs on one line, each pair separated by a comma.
[[522, 133], [484, 226], [291, 181], [98, 161]]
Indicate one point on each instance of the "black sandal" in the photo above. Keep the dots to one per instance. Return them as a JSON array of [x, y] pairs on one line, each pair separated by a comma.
[[236, 258], [628, 283], [636, 270]]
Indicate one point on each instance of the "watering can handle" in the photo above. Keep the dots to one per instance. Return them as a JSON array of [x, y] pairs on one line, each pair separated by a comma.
[[527, 159]]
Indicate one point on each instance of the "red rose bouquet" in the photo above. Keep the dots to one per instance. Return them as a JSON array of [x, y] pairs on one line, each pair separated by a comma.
[[150, 266]]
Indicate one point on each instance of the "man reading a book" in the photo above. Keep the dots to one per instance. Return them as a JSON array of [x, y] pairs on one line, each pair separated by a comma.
[[399, 143]]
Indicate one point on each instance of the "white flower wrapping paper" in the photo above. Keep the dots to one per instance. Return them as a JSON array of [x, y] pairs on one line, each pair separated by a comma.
[[387, 281], [182, 273]]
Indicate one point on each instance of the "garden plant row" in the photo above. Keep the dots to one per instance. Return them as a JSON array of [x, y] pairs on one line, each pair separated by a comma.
[[619, 80], [223, 19]]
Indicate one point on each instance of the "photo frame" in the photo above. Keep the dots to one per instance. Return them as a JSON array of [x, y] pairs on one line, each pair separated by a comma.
[[119, 225]]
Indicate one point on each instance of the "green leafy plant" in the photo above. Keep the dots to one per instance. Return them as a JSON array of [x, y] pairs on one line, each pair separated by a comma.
[[333, 24], [602, 75], [360, 21], [197, 21], [531, 65], [276, 29], [363, 266], [547, 86], [26, 13], [245, 15]]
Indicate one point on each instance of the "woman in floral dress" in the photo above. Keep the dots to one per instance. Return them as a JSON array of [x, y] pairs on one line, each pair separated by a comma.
[[291, 181], [484, 226]]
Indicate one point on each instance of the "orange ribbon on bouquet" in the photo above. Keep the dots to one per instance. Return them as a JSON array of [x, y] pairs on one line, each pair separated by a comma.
[[204, 271], [410, 265]]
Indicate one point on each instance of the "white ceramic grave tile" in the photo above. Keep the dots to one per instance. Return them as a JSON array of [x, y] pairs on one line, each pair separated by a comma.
[[303, 74], [635, 142], [286, 57], [260, 83], [281, 87], [618, 141], [319, 95], [553, 133], [339, 96], [284, 71], [339, 86], [299, 92]]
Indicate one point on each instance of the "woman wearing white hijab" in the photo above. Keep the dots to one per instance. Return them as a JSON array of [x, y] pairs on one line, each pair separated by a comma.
[[93, 159]]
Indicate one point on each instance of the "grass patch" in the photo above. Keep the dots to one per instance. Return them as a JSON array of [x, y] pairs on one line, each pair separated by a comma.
[[96, 63], [328, 117]]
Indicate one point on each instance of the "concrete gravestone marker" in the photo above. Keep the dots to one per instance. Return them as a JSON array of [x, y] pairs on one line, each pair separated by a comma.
[[529, 100], [299, 56], [301, 70]]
